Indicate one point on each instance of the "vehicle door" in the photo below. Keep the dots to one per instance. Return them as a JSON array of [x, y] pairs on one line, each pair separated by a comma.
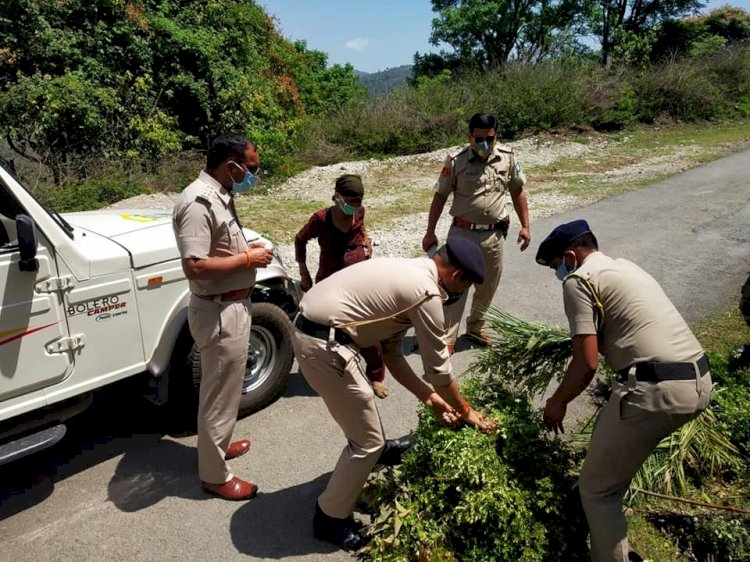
[[33, 329]]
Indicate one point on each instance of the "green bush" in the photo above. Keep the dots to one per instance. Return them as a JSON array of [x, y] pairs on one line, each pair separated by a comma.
[[708, 536], [143, 79], [527, 98], [732, 401], [87, 195], [463, 495]]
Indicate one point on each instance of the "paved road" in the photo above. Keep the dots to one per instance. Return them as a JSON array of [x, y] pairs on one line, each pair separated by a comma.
[[118, 489]]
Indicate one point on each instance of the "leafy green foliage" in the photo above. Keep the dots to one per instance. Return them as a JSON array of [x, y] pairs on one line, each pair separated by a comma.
[[707, 536], [723, 27], [732, 400], [560, 93], [697, 453], [87, 80], [486, 34], [618, 21], [88, 195], [524, 355], [463, 495], [527, 356]]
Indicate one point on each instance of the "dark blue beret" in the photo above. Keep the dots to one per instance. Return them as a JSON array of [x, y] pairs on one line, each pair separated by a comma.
[[466, 256], [562, 237]]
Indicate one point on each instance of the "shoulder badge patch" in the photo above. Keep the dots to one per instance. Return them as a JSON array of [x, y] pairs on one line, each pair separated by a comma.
[[206, 195], [446, 171]]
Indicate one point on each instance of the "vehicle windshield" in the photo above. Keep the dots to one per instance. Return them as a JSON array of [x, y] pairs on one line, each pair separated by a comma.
[[9, 207]]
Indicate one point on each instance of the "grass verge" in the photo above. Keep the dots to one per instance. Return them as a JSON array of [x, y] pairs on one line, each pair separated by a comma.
[[630, 160]]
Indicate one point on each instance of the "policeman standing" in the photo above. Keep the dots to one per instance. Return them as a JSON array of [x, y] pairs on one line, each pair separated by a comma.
[[480, 178], [616, 308], [220, 268], [375, 301]]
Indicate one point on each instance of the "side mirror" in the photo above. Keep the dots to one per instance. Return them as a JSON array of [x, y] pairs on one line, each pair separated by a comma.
[[26, 232]]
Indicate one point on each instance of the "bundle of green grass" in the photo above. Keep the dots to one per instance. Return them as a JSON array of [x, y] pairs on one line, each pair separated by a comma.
[[463, 495]]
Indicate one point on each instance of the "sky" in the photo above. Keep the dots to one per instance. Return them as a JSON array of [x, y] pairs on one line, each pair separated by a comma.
[[372, 35]]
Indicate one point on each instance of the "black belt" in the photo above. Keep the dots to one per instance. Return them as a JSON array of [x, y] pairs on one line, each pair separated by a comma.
[[321, 331], [502, 225], [654, 371]]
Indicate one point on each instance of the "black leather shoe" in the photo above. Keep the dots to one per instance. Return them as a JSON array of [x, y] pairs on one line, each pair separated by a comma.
[[394, 450], [340, 532]]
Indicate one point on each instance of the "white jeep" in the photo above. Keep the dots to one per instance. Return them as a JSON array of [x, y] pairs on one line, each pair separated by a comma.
[[91, 298]]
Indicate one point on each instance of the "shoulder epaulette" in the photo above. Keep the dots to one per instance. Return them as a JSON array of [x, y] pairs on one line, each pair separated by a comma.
[[506, 149], [206, 195]]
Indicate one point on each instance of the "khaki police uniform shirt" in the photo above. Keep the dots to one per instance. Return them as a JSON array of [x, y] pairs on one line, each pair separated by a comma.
[[378, 300], [640, 322], [205, 226], [480, 189]]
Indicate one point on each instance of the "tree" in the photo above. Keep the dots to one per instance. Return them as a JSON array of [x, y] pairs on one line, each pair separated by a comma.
[[139, 79], [486, 33], [720, 28], [553, 29], [620, 20]]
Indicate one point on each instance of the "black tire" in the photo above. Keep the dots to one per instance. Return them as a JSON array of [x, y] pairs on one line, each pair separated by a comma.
[[269, 358]]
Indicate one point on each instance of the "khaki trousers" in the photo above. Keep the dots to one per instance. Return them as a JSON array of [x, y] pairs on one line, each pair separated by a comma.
[[336, 373], [491, 243], [221, 331], [628, 429]]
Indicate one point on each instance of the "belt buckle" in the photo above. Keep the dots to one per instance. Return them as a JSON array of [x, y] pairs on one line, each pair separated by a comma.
[[482, 227], [632, 378]]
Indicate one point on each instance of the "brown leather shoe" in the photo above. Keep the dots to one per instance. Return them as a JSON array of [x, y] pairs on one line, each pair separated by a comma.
[[235, 489], [237, 449], [451, 348], [481, 337]]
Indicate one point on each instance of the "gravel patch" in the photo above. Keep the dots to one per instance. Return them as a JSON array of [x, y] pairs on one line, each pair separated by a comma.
[[384, 179]]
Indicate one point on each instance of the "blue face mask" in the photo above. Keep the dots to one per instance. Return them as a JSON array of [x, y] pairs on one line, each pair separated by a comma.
[[247, 182], [562, 270]]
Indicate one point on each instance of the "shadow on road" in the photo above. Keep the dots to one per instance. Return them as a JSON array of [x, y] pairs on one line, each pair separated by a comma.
[[147, 475], [279, 524], [296, 385]]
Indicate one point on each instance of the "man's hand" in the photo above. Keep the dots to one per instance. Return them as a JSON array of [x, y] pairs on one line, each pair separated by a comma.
[[429, 241], [260, 256], [554, 413], [481, 422], [524, 237], [442, 410]]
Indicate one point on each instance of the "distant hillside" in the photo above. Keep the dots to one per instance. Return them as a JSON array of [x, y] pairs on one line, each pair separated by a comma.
[[385, 81]]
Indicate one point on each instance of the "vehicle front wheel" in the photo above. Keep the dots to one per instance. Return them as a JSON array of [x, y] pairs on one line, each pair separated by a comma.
[[269, 357]]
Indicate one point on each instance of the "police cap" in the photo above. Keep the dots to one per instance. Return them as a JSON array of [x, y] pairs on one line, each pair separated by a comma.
[[466, 256], [350, 185], [559, 239]]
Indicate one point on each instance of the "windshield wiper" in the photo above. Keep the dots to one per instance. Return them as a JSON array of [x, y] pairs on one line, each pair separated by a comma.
[[59, 219]]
